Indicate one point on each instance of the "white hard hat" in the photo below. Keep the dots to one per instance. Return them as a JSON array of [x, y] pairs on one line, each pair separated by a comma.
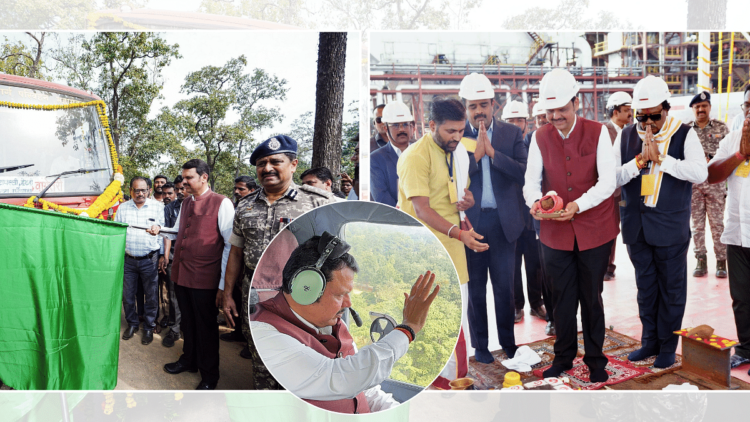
[[397, 112], [619, 98], [514, 110], [650, 92], [538, 110], [476, 86], [557, 88]]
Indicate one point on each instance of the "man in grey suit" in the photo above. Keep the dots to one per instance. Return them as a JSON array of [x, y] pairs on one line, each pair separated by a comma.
[[400, 132], [495, 184]]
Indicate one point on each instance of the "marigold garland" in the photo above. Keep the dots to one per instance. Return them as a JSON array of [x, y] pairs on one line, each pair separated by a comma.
[[112, 195]]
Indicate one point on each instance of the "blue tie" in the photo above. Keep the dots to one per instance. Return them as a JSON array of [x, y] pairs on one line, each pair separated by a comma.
[[488, 195]]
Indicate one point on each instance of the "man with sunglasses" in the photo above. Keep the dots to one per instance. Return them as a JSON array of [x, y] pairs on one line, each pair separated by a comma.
[[732, 163], [658, 161], [708, 200], [573, 157], [379, 139], [400, 131]]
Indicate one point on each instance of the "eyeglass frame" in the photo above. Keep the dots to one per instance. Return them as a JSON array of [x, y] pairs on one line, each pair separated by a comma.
[[136, 191], [655, 117]]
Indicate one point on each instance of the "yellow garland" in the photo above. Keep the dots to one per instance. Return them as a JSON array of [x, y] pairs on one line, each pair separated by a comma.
[[113, 193]]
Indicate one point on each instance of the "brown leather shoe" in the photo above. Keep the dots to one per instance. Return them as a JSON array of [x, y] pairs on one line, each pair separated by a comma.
[[539, 312]]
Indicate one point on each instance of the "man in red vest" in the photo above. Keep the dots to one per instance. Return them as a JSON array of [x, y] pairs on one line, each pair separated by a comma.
[[200, 257], [573, 157], [302, 340]]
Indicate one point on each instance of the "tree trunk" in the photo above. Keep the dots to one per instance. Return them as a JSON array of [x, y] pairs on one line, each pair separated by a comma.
[[706, 14], [329, 102]]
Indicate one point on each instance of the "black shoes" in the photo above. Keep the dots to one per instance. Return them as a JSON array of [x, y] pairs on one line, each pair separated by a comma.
[[721, 268], [519, 316], [245, 353], [609, 276], [235, 335], [598, 375], [164, 321], [148, 336], [702, 268], [177, 368], [129, 332], [170, 338], [207, 386]]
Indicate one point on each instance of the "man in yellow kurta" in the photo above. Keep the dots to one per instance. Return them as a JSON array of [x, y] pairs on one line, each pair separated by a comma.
[[433, 176]]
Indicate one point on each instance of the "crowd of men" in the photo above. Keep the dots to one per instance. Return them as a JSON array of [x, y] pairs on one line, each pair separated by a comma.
[[200, 250], [477, 180]]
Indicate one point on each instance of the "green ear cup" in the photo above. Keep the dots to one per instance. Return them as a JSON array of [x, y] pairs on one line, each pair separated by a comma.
[[307, 286]]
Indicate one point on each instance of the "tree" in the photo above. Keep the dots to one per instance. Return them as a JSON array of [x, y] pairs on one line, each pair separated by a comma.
[[569, 14], [223, 109], [329, 101], [55, 14], [124, 70], [20, 60], [706, 14], [282, 11]]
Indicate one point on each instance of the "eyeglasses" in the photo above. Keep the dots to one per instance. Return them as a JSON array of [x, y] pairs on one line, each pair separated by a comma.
[[137, 191], [378, 120], [643, 117], [400, 125], [745, 106]]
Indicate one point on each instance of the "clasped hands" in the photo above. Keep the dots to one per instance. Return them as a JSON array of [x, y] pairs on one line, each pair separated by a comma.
[[484, 146]]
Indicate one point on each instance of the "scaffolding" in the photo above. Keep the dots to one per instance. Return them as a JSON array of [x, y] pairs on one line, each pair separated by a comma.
[[671, 55]]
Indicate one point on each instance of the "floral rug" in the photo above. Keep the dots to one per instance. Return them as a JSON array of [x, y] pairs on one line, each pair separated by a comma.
[[579, 375]]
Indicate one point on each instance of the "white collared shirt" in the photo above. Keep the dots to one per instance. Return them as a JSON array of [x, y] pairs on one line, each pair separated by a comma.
[[617, 127], [605, 164], [225, 223], [137, 242], [692, 169], [737, 210], [395, 148], [310, 375]]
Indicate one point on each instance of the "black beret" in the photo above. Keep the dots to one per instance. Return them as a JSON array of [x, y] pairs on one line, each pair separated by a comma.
[[276, 145], [699, 98]]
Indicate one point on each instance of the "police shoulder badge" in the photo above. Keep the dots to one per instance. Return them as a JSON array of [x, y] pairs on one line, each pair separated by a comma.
[[274, 144]]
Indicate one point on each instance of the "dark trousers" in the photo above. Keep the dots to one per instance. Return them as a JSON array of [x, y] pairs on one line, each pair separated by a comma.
[[237, 297], [175, 317], [578, 277], [142, 272], [200, 331], [526, 248], [548, 294], [738, 266], [499, 261], [661, 277]]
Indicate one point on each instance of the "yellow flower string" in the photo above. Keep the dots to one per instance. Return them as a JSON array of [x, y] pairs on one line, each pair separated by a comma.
[[109, 403], [130, 401], [112, 195]]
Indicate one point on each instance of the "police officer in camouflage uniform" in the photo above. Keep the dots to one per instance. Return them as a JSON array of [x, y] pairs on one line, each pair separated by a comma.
[[259, 217], [708, 199]]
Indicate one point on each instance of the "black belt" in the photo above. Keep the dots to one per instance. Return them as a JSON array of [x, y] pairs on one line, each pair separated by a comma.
[[488, 209], [138, 258]]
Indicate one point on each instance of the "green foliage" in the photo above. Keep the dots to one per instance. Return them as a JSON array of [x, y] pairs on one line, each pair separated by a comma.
[[20, 59], [569, 14], [124, 70], [203, 125], [390, 259]]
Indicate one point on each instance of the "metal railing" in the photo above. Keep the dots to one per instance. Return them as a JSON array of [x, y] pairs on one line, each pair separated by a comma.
[[501, 69]]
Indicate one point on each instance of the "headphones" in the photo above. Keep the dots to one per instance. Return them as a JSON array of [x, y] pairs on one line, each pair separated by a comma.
[[309, 283]]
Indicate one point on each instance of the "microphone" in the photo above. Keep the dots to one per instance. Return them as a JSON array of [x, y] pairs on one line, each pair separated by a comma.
[[356, 317]]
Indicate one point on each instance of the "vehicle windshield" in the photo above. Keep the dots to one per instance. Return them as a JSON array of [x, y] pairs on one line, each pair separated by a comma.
[[54, 142]]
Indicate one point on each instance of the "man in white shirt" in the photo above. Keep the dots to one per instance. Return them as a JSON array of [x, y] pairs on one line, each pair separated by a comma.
[[658, 161], [731, 163], [304, 344], [573, 157]]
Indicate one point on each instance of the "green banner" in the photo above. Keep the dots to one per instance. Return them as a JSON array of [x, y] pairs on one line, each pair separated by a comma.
[[60, 299]]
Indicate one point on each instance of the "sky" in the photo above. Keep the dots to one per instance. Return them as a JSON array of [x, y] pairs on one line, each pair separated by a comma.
[[289, 55], [649, 14]]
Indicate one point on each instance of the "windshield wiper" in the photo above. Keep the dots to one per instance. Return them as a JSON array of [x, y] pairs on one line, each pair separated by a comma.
[[13, 168], [65, 173]]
